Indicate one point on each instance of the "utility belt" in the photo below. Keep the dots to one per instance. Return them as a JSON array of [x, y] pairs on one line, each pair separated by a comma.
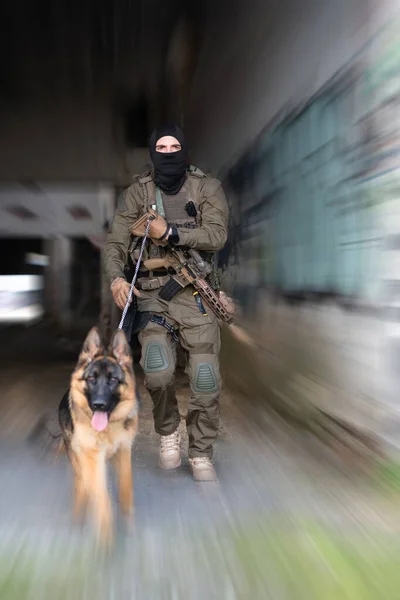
[[154, 281], [168, 286]]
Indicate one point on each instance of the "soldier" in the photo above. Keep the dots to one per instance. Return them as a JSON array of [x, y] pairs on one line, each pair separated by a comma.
[[196, 216]]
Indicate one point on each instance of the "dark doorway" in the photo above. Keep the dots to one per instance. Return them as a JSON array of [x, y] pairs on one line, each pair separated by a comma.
[[85, 280]]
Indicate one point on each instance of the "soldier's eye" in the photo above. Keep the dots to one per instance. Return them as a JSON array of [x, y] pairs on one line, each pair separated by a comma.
[[92, 379]]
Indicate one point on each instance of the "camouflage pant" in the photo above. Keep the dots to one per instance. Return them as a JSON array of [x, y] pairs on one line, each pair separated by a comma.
[[199, 336]]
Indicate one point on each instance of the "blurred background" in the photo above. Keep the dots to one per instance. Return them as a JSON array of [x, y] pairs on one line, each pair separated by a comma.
[[294, 106]]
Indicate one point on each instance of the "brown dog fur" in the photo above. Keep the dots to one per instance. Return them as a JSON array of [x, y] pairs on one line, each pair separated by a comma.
[[89, 449]]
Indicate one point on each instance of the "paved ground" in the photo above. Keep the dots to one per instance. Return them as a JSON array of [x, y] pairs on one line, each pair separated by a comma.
[[33, 379], [264, 469]]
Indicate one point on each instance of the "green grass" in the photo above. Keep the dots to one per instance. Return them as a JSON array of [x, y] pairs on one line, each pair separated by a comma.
[[266, 559], [312, 562], [43, 572], [388, 475]]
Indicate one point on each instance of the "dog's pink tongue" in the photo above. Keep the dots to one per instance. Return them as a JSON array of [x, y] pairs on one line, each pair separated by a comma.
[[99, 420]]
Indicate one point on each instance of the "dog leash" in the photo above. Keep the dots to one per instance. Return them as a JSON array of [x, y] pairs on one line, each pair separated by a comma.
[[146, 233]]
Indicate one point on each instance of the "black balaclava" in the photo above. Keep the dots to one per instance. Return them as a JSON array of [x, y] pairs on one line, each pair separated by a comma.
[[169, 167]]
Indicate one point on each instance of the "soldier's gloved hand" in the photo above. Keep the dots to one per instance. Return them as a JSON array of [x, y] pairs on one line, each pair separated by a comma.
[[158, 227], [120, 291]]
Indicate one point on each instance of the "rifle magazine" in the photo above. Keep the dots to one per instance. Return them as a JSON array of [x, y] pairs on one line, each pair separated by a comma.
[[170, 289]]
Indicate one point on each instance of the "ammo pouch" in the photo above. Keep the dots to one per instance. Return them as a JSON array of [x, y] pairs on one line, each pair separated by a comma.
[[169, 286]]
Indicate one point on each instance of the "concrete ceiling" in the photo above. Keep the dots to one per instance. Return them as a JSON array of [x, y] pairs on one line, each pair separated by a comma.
[[75, 79], [49, 209]]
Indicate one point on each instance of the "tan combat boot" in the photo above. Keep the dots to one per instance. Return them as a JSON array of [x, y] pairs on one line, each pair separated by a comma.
[[202, 469], [170, 451]]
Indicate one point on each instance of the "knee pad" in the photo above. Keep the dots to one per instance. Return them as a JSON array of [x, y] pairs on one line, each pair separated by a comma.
[[158, 366], [205, 380], [155, 359]]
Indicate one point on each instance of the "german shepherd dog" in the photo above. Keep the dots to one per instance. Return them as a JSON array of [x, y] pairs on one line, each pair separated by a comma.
[[99, 419]]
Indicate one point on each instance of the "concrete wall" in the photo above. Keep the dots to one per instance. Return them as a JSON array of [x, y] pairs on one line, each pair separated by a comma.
[[258, 67], [68, 79], [65, 142], [262, 58]]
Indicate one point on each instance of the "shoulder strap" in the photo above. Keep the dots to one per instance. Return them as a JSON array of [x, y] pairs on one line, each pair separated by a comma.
[[142, 183], [196, 171], [159, 202], [145, 178]]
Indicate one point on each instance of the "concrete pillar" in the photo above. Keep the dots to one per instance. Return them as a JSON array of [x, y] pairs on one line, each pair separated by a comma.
[[108, 318], [58, 280], [106, 308]]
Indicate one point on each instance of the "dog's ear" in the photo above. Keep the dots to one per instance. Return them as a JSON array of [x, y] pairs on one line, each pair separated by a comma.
[[120, 348], [92, 347]]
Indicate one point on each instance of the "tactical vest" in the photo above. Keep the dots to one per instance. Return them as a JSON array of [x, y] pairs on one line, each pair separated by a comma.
[[172, 207]]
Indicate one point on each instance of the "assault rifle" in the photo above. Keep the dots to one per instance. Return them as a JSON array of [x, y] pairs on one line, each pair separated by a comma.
[[188, 268]]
